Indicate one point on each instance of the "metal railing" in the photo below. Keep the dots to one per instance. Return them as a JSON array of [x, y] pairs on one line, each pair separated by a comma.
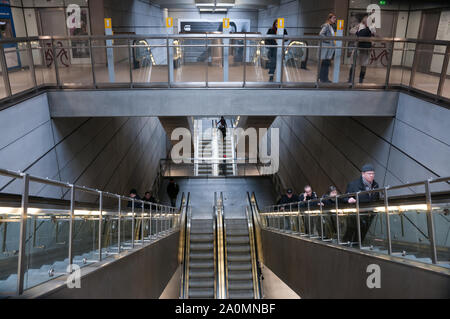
[[45, 62], [415, 226], [187, 167], [105, 227]]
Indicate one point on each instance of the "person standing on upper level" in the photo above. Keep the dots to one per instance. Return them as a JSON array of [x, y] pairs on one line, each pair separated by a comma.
[[327, 50], [364, 29], [272, 51]]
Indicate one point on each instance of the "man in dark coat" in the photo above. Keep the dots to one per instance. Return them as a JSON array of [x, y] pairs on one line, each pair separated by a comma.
[[364, 183], [172, 191], [303, 198], [133, 194], [148, 197], [285, 200]]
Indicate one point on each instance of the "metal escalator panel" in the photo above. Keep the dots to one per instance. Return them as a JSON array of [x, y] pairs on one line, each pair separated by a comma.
[[201, 264], [240, 271]]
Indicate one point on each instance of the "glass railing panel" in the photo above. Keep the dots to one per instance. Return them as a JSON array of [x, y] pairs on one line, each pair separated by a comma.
[[119, 69], [217, 50], [85, 236], [372, 63], [297, 67], [428, 66], [399, 73], [43, 64], [46, 245], [149, 61], [9, 248], [73, 58], [193, 61], [19, 67], [260, 61]]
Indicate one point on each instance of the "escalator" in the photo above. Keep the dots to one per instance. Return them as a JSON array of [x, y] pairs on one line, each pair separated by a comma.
[[220, 257]]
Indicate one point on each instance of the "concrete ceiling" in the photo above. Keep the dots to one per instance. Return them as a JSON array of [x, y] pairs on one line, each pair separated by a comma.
[[238, 4]]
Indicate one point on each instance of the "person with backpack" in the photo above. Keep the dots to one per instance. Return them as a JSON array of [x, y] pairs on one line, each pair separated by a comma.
[[363, 30]]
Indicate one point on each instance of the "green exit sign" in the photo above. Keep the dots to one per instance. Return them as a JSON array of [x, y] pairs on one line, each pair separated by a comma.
[[382, 2]]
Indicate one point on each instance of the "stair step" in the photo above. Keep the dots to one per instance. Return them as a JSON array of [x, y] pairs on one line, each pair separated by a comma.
[[201, 283], [201, 237], [238, 249], [196, 246], [238, 240], [200, 256], [239, 266], [241, 258]]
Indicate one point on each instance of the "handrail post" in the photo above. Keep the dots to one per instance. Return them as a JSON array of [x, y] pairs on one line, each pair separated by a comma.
[[23, 233], [388, 69], [337, 221], [94, 80], [55, 60], [355, 55], [388, 223], [32, 69], [130, 62], [132, 223], [430, 222], [100, 221], [142, 223], [358, 222], [245, 60], [72, 211], [443, 71], [321, 219], [119, 223], [319, 60], [309, 220], [5, 71]]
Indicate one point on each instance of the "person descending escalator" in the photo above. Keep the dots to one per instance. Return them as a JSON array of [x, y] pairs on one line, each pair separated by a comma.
[[329, 203], [222, 126], [133, 194], [365, 182], [303, 198], [148, 197], [172, 191]]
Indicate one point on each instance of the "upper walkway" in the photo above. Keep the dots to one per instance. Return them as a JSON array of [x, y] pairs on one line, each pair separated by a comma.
[[238, 62]]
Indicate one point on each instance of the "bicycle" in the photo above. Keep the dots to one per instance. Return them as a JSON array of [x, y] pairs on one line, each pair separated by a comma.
[[62, 55], [383, 56]]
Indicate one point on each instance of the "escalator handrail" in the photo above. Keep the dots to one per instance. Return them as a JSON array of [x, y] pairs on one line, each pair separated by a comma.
[[255, 244], [254, 255], [258, 226], [185, 225], [220, 266]]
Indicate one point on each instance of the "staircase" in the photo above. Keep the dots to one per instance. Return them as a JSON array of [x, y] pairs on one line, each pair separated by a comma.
[[201, 259], [205, 151], [238, 259], [225, 150]]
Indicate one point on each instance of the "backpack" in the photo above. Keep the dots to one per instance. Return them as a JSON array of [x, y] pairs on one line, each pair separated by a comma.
[[364, 33]]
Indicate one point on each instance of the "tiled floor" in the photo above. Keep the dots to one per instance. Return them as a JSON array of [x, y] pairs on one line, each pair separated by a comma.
[[199, 72]]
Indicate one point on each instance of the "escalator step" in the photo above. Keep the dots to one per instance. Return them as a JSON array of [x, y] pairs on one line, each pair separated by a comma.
[[238, 240], [239, 275], [196, 246], [200, 256], [203, 283], [240, 294], [201, 237], [234, 232], [238, 249], [239, 266], [200, 273], [232, 258], [201, 264], [201, 293], [240, 285]]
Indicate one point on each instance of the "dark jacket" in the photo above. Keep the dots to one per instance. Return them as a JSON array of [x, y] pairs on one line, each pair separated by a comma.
[[173, 189], [284, 200], [301, 197], [151, 200], [358, 186], [136, 204], [272, 41], [364, 33]]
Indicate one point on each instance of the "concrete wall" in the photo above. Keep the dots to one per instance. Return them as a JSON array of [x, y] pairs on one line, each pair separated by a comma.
[[318, 270], [323, 151], [140, 274], [288, 9], [112, 154]]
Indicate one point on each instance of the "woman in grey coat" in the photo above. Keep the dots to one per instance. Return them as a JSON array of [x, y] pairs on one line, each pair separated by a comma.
[[327, 51]]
